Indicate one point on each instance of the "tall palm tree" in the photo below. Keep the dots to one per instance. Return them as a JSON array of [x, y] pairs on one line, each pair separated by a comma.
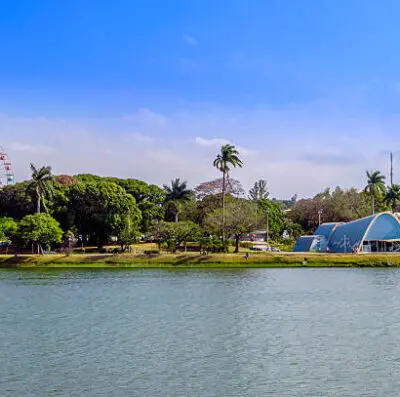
[[228, 157], [375, 185], [176, 194], [41, 184], [392, 196]]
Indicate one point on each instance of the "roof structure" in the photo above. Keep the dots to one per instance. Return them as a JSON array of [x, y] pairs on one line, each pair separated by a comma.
[[311, 243], [326, 229], [350, 236]]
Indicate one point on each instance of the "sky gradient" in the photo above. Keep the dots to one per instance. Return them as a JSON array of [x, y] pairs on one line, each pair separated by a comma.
[[309, 91]]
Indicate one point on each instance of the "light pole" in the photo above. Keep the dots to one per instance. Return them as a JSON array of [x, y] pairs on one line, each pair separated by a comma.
[[268, 226], [319, 217]]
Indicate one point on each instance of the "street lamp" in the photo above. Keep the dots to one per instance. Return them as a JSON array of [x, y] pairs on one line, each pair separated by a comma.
[[319, 217], [129, 221]]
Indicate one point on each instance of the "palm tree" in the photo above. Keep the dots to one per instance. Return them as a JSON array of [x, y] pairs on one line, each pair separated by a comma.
[[41, 184], [229, 156], [176, 194], [392, 196], [375, 185]]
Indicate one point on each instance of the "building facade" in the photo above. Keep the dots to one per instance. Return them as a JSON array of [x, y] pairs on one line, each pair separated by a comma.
[[375, 233]]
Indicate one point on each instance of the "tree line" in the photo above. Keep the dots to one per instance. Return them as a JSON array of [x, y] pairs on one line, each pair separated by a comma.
[[344, 205], [51, 211]]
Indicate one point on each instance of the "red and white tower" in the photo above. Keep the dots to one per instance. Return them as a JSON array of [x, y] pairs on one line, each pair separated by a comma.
[[6, 170]]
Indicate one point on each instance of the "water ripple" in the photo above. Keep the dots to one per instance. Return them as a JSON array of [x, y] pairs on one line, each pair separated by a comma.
[[278, 332]]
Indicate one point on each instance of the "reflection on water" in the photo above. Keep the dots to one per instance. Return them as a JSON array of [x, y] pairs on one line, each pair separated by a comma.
[[254, 332]]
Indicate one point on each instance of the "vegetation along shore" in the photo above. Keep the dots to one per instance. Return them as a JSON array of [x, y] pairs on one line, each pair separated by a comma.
[[215, 261], [87, 213]]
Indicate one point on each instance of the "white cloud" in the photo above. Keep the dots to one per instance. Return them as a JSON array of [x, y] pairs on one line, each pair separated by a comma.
[[190, 40], [298, 149], [144, 116], [215, 142], [218, 142]]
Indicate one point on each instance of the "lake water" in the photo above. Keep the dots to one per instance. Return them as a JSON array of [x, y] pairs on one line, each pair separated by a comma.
[[258, 332]]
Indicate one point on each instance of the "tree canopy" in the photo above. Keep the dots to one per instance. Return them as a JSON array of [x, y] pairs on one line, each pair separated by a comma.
[[110, 209], [39, 229]]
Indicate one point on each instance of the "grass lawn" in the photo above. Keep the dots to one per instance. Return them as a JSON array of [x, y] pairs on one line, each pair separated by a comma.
[[195, 260]]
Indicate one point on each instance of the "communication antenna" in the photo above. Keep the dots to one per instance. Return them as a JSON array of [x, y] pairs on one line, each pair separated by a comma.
[[391, 169]]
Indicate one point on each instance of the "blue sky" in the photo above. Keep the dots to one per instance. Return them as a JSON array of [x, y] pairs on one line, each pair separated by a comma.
[[146, 88]]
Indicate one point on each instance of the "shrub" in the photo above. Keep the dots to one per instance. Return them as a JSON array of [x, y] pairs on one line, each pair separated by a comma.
[[151, 252]]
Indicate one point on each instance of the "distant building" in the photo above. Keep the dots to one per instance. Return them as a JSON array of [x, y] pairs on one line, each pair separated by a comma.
[[375, 233]]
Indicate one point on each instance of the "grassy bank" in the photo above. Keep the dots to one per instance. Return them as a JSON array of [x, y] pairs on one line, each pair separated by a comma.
[[259, 260]]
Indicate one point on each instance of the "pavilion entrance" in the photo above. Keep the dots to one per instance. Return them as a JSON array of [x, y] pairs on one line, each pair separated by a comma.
[[381, 246]]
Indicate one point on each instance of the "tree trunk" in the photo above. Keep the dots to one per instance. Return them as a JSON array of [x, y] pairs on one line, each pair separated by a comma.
[[38, 204], [176, 216], [237, 237], [373, 204], [223, 204]]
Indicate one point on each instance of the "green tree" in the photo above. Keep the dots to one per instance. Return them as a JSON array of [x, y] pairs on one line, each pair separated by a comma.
[[41, 185], [8, 228], [392, 196], [295, 230], [175, 195], [259, 191], [173, 234], [39, 229], [240, 217], [101, 210], [228, 157], [149, 198], [375, 186], [15, 202], [197, 211], [124, 224], [272, 217]]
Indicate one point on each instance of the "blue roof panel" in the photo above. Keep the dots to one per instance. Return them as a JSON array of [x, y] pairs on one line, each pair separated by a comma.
[[310, 243], [385, 227], [349, 236], [326, 229]]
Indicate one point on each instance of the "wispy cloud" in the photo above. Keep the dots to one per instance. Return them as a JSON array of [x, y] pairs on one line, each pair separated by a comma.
[[215, 142], [32, 149], [331, 158], [297, 149], [146, 116], [135, 137], [190, 40], [218, 142]]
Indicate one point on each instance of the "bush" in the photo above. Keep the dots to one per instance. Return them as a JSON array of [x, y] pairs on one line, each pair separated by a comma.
[[283, 244], [213, 245], [246, 244], [151, 252]]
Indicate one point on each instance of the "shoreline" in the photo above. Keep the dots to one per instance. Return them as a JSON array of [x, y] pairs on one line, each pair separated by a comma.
[[193, 261]]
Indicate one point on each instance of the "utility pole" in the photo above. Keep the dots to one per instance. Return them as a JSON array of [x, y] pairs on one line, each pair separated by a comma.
[[319, 217]]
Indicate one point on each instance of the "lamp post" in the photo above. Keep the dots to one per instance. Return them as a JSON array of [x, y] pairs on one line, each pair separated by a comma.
[[129, 221], [267, 225], [319, 217]]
